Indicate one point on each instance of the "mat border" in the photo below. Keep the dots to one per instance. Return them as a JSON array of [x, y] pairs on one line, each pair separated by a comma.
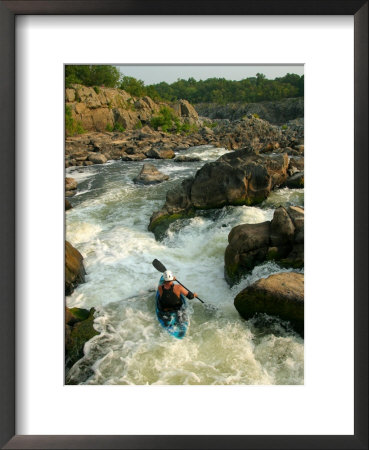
[[8, 11]]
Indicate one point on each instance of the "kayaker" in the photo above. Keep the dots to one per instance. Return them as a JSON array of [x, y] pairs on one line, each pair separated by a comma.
[[170, 293]]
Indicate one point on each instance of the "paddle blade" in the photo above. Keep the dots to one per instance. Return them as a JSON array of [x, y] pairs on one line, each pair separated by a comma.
[[158, 266]]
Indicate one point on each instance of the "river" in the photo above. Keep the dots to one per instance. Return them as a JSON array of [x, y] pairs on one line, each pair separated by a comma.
[[108, 225]]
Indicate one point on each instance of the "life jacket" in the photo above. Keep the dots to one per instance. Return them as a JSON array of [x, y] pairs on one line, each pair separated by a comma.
[[169, 300]]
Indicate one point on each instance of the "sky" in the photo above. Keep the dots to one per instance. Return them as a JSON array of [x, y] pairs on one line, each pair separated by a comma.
[[152, 74]]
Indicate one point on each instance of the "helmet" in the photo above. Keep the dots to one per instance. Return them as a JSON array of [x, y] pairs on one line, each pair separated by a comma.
[[168, 275]]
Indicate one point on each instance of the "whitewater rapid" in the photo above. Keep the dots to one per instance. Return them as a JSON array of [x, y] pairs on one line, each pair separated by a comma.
[[108, 225]]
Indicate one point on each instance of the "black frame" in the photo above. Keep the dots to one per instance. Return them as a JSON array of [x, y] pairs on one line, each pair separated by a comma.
[[8, 11]]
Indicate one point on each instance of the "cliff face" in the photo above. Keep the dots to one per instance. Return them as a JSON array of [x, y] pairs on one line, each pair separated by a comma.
[[102, 109], [278, 112]]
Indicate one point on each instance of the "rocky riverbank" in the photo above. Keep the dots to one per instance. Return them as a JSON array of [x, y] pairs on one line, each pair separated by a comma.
[[279, 112]]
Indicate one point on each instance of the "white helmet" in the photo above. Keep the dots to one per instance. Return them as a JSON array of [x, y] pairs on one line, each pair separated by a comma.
[[168, 275]]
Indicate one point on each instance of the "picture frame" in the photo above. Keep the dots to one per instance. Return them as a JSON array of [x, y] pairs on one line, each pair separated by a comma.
[[8, 11]]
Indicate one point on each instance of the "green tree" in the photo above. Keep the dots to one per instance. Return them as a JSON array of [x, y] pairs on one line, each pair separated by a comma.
[[92, 75], [133, 86]]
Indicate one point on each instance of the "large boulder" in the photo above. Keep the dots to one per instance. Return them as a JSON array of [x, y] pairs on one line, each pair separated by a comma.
[[296, 181], [160, 153], [184, 109], [238, 178], [280, 295], [149, 174], [74, 269], [78, 330], [281, 239], [97, 158]]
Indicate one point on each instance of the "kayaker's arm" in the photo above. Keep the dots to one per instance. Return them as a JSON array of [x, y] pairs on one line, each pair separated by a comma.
[[187, 293]]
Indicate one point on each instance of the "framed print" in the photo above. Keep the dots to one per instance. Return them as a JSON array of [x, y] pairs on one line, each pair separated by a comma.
[[45, 407]]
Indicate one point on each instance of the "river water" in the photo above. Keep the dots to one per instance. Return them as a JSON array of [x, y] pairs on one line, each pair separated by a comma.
[[108, 225]]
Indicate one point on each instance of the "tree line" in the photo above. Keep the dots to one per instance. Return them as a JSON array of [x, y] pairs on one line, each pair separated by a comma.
[[211, 90]]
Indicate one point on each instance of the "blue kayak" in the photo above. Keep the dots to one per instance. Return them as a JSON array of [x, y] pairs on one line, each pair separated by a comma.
[[175, 323]]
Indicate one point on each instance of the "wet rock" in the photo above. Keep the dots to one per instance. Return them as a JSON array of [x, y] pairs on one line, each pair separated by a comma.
[[78, 330], [97, 158], [149, 174], [183, 158], [136, 157], [74, 269], [70, 187], [238, 178], [296, 181], [280, 295], [281, 239], [160, 153]]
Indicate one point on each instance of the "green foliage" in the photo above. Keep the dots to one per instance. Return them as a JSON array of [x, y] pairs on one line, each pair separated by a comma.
[[169, 122], [118, 127], [256, 116], [138, 125], [133, 86], [284, 127], [109, 127], [210, 124], [213, 90], [72, 126], [166, 120], [222, 91], [92, 75], [97, 89]]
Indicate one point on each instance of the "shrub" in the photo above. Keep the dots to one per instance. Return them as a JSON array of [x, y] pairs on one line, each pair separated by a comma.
[[210, 124], [119, 127], [97, 89], [72, 126], [284, 127], [256, 116], [138, 125], [109, 127], [166, 120]]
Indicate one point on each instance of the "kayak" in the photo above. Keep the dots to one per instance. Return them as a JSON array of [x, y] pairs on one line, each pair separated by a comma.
[[175, 323]]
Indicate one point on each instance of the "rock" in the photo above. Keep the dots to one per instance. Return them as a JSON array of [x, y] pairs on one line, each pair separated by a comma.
[[78, 330], [70, 187], [280, 295], [281, 240], [70, 184], [296, 181], [248, 246], [97, 158], [150, 175], [276, 112], [299, 148], [182, 158], [160, 154], [282, 228], [67, 205], [136, 157], [296, 163], [184, 109], [238, 178], [74, 269]]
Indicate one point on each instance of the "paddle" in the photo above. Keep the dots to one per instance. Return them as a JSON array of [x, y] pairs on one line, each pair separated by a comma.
[[161, 268]]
